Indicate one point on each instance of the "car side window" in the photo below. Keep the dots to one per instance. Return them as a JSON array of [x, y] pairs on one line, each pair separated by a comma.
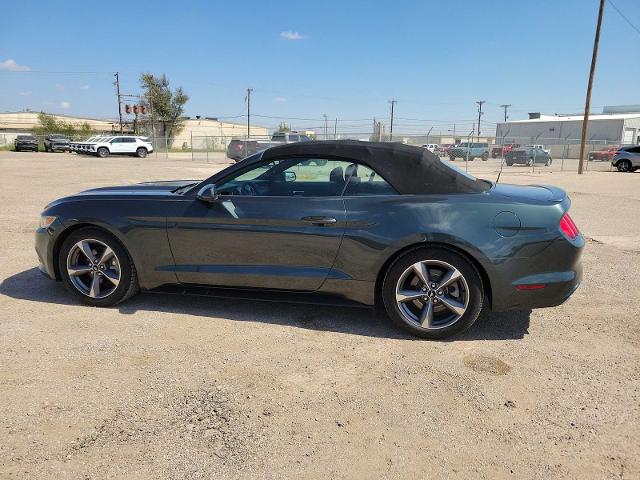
[[633, 150], [292, 177], [362, 180], [129, 140], [116, 140]]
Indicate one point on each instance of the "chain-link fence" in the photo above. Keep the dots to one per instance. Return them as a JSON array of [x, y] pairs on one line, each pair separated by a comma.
[[495, 152]]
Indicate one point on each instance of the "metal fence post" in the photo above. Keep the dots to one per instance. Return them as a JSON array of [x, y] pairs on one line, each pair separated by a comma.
[[191, 132]]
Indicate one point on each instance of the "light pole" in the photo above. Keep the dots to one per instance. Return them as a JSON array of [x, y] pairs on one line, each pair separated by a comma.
[[393, 102]]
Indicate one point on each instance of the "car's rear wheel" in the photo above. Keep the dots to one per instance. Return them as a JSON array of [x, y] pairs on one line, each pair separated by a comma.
[[141, 152], [103, 152], [485, 157], [96, 268], [624, 166], [451, 158], [432, 292]]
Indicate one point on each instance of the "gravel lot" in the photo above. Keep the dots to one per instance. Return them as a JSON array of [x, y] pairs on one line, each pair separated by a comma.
[[177, 387]]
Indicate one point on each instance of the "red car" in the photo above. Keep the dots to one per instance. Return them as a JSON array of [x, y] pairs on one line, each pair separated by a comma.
[[501, 151], [605, 155]]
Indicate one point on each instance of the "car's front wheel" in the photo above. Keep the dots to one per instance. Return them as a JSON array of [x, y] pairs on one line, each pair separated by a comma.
[[451, 158], [141, 152], [96, 268], [624, 166], [103, 152], [432, 292]]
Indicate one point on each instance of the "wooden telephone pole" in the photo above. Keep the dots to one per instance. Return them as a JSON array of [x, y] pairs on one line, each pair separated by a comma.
[[587, 104]]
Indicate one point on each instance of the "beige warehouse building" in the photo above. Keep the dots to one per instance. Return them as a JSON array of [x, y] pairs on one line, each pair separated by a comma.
[[206, 132]]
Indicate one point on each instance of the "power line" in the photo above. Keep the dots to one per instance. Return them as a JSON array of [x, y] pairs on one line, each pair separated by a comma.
[[631, 24]]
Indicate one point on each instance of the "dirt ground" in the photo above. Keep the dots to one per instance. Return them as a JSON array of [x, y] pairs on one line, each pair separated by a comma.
[[181, 387]]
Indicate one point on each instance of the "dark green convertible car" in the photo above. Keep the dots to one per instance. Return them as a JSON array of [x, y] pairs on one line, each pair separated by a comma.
[[341, 221]]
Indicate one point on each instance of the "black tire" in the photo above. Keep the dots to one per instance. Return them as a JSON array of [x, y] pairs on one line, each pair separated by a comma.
[[471, 159], [624, 166], [485, 156], [128, 284], [141, 152], [103, 152], [547, 163], [494, 155], [321, 162], [469, 272], [509, 164], [530, 162], [452, 158]]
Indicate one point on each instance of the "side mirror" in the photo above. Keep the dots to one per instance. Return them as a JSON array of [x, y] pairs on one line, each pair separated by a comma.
[[208, 194], [290, 176]]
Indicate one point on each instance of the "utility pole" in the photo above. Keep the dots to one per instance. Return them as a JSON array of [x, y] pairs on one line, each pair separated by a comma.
[[480, 102], [117, 75], [248, 99], [335, 128], [505, 107], [587, 103], [393, 102], [326, 132]]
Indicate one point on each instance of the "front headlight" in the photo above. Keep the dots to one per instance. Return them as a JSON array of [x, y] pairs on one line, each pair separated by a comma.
[[46, 221]]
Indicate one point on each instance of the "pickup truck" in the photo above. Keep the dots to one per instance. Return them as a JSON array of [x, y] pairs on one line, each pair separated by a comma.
[[472, 149], [242, 148], [501, 151]]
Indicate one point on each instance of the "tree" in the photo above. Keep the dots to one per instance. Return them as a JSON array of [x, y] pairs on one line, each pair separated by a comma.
[[165, 106], [49, 124], [283, 127]]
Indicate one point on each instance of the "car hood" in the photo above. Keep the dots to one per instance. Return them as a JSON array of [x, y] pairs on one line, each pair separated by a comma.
[[147, 189]]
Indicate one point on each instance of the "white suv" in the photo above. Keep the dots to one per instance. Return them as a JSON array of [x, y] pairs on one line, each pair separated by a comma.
[[139, 146]]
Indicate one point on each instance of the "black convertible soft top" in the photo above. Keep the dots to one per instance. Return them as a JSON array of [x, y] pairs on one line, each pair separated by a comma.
[[410, 170]]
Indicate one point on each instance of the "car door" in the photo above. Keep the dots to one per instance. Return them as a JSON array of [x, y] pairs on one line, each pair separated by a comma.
[[275, 225], [115, 145], [128, 145]]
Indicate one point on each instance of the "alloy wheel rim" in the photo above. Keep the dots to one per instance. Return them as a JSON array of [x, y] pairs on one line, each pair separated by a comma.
[[93, 268], [432, 295]]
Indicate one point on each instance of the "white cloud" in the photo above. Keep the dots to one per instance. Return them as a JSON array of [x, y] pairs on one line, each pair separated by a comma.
[[84, 87], [66, 105], [289, 35], [279, 99], [10, 65], [26, 93], [59, 87]]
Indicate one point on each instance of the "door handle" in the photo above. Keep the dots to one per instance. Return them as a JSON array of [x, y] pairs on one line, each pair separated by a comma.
[[319, 220]]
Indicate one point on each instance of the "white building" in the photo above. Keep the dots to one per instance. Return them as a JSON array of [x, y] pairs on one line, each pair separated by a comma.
[[618, 125]]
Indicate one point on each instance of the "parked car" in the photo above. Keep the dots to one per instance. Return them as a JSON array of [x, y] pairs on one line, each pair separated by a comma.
[[56, 142], [501, 151], [443, 150], [605, 155], [25, 142], [120, 145], [473, 150], [77, 146], [541, 147], [627, 159], [375, 221], [432, 147], [528, 156], [241, 148]]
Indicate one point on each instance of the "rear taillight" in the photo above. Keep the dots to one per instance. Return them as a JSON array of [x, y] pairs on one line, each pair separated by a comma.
[[568, 227]]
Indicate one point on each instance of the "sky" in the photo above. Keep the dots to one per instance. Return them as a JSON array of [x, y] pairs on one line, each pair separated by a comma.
[[342, 59]]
